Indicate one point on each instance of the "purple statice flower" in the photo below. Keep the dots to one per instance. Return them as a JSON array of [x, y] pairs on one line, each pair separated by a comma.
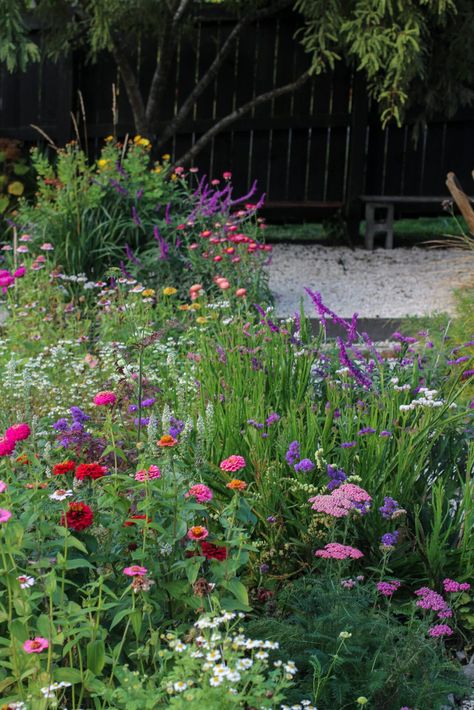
[[133, 408], [348, 444], [304, 466], [272, 418], [143, 421], [255, 424], [76, 427], [386, 434], [61, 425], [78, 415], [336, 477], [176, 427], [390, 508], [366, 430], [293, 454], [136, 216], [149, 402], [389, 539]]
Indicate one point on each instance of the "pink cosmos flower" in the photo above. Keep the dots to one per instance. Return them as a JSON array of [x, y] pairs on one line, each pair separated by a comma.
[[200, 492], [4, 515], [135, 571], [143, 475], [104, 398], [18, 432], [36, 645], [233, 463], [336, 551], [197, 532], [3, 486]]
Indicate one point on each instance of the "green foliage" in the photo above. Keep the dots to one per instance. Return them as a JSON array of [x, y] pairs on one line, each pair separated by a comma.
[[16, 48], [346, 646]]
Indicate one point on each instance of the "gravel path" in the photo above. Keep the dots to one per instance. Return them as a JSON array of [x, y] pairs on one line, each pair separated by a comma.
[[383, 283]]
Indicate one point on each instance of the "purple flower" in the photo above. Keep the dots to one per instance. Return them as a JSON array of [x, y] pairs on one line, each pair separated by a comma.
[[272, 418], [133, 407], [255, 424], [403, 338], [78, 415], [390, 539], [264, 568], [366, 430], [348, 444], [293, 453], [336, 477], [345, 361], [143, 421], [385, 433], [61, 425], [136, 217], [149, 402], [389, 508], [459, 360], [304, 466], [271, 519], [176, 427], [466, 374]]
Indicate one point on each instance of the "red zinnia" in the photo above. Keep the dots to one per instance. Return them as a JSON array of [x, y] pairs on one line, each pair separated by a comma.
[[213, 552], [78, 516], [90, 470], [64, 467], [131, 521]]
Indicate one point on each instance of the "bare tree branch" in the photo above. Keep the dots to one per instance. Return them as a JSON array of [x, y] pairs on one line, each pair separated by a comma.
[[231, 117], [212, 72], [131, 87]]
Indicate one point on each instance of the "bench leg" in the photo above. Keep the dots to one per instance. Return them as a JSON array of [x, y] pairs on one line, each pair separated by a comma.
[[369, 226], [389, 227], [380, 226]]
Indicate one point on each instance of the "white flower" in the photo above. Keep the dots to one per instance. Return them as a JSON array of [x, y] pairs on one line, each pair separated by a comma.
[[233, 676], [196, 654], [244, 664], [213, 656], [180, 646], [26, 582], [261, 655], [220, 670], [277, 664], [215, 681], [290, 668], [61, 494], [180, 686]]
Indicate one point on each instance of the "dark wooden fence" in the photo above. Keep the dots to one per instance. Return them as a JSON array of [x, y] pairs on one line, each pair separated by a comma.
[[310, 152]]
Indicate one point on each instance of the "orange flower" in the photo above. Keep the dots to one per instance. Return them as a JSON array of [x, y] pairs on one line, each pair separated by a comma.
[[236, 485], [167, 440]]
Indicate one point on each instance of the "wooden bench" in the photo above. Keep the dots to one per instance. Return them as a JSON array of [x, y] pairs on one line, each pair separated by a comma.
[[379, 214]]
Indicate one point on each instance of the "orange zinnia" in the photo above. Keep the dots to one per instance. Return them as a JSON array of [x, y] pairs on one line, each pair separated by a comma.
[[167, 440], [236, 485]]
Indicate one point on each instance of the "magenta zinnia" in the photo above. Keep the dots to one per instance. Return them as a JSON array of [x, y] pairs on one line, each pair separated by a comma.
[[200, 492], [104, 398], [233, 463]]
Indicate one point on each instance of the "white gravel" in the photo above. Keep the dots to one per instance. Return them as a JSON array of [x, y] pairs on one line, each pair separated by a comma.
[[384, 283]]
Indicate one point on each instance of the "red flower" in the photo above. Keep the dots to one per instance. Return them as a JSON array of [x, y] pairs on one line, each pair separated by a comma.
[[128, 523], [64, 467], [90, 470], [213, 552], [78, 516]]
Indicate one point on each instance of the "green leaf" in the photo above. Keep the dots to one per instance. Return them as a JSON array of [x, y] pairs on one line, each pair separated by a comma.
[[77, 562], [238, 589], [96, 656], [68, 675]]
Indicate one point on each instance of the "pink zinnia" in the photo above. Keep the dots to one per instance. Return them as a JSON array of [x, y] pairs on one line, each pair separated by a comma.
[[440, 630], [135, 571], [143, 475], [36, 645], [6, 447], [19, 273], [4, 515], [200, 492], [336, 551], [3, 486], [104, 398], [197, 532], [18, 432], [233, 463]]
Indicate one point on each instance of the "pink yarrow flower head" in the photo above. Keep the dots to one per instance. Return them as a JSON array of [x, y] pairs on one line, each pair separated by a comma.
[[36, 645], [144, 475], [388, 588], [329, 505], [440, 630], [200, 492], [5, 515], [18, 432], [451, 586], [135, 571], [336, 551], [233, 463], [430, 600], [105, 398]]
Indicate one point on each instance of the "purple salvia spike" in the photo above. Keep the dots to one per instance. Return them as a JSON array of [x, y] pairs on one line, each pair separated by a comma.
[[136, 217], [131, 256], [167, 213]]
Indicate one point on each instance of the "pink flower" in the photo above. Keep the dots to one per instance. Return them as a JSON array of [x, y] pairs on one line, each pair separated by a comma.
[[388, 588], [440, 630], [241, 292], [4, 515], [336, 551], [143, 475], [6, 280], [25, 238], [18, 432], [3, 486], [47, 247], [330, 505], [23, 249], [233, 463], [104, 398], [6, 447], [197, 532], [453, 587], [227, 175], [135, 571], [430, 600], [200, 492], [19, 273], [36, 645]]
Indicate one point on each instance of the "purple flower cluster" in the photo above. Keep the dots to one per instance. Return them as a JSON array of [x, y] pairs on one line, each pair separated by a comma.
[[176, 427], [271, 419], [389, 540], [304, 466], [336, 477], [390, 509], [388, 588], [366, 430], [293, 454], [431, 600], [453, 587]]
